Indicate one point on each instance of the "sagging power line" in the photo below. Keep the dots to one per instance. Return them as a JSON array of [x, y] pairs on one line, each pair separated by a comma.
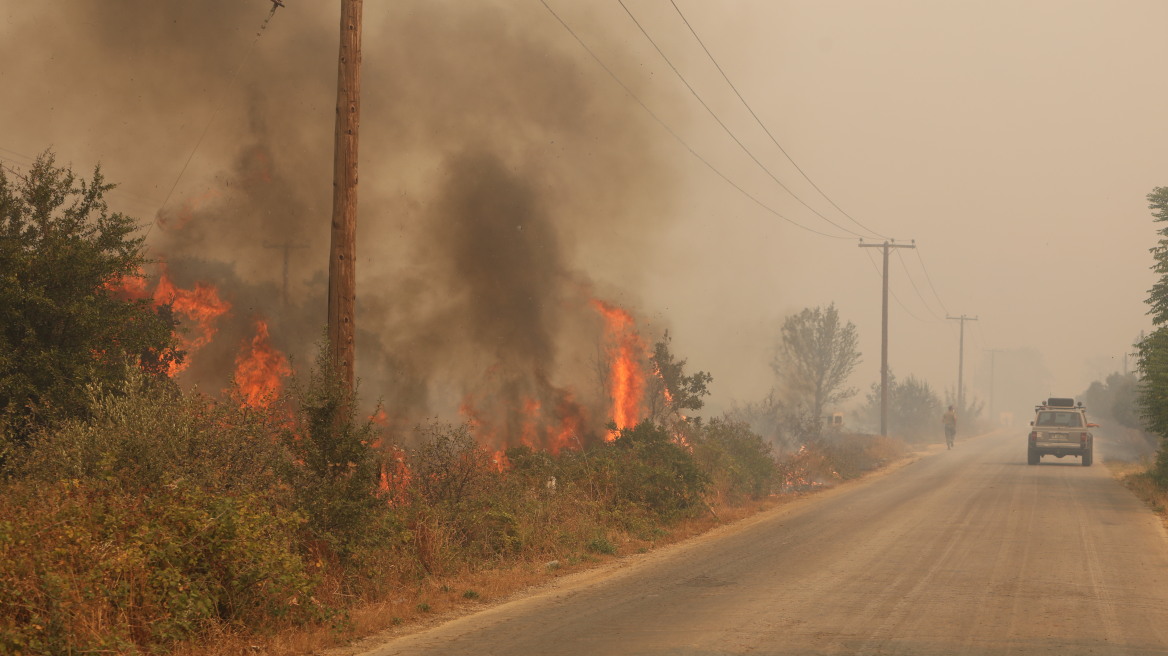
[[766, 129], [676, 136], [724, 127]]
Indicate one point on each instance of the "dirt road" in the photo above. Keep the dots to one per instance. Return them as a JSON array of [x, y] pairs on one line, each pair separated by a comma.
[[968, 551]]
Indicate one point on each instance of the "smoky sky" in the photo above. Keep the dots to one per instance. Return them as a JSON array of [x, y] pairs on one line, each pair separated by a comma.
[[1015, 142], [492, 165]]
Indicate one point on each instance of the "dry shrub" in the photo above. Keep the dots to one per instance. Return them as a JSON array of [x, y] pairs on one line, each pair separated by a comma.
[[1144, 483], [90, 565]]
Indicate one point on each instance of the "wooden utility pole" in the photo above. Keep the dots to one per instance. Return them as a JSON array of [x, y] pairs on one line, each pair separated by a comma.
[[884, 333], [993, 417], [343, 247], [287, 247], [961, 361]]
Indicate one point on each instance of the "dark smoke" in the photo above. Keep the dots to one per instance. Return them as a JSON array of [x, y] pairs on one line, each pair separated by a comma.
[[503, 178]]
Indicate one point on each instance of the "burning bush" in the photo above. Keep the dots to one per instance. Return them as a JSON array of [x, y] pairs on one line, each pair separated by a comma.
[[169, 515]]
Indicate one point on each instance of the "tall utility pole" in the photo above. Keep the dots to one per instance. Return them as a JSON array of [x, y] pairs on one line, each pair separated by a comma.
[[343, 249], [961, 360], [884, 333]]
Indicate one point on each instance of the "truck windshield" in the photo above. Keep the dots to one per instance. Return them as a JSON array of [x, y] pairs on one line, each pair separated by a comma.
[[1059, 419]]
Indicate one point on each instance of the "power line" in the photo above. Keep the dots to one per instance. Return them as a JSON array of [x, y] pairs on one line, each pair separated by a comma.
[[16, 154], [930, 279], [896, 298], [118, 191], [961, 360], [723, 125], [884, 370], [764, 127], [218, 106], [676, 136], [912, 282]]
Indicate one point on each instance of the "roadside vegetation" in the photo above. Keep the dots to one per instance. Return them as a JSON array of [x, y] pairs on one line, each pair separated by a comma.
[[168, 518], [139, 517], [1137, 403], [1153, 348]]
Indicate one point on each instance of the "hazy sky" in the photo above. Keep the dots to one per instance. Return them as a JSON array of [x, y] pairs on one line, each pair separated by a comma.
[[1014, 141]]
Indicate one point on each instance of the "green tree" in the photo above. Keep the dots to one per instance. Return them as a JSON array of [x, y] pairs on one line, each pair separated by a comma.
[[815, 356], [63, 325], [670, 390], [1115, 398], [1158, 295], [1153, 349], [914, 409]]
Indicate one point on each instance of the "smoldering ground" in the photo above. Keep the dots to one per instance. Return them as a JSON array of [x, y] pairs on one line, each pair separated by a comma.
[[505, 180]]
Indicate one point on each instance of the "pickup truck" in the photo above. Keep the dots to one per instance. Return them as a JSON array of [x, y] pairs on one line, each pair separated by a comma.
[[1060, 428]]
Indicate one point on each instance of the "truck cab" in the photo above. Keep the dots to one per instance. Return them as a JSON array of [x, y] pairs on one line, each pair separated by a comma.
[[1060, 428]]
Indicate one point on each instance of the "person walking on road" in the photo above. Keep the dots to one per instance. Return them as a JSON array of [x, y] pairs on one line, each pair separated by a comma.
[[949, 421]]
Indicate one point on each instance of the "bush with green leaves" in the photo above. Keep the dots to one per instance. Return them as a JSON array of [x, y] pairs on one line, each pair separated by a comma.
[[645, 469], [63, 325], [738, 462], [91, 566], [147, 434], [335, 466], [462, 509]]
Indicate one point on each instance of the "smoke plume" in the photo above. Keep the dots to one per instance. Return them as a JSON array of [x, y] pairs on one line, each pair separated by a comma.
[[505, 179]]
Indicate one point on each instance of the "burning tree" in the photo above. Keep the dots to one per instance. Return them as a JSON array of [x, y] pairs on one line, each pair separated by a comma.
[[65, 325], [671, 391]]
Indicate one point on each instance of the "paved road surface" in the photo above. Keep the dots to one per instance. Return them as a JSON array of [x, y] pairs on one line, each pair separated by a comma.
[[968, 551]]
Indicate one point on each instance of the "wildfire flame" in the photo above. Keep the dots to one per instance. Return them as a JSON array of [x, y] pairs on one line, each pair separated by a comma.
[[395, 477], [199, 306], [625, 351], [553, 424], [260, 369]]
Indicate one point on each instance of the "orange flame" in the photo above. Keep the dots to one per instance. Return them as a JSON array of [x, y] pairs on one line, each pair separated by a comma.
[[500, 461], [625, 351], [131, 287], [571, 419], [260, 370], [395, 478], [531, 416], [199, 306]]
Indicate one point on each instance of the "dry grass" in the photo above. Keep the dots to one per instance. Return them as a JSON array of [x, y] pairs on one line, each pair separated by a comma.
[[443, 598], [1137, 477]]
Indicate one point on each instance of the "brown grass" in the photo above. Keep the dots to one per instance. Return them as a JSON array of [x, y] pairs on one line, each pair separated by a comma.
[[1136, 476], [442, 598]]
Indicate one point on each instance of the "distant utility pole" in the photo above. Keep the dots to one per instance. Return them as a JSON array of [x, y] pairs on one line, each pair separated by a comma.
[[884, 333], [287, 247], [961, 359], [343, 247], [992, 352]]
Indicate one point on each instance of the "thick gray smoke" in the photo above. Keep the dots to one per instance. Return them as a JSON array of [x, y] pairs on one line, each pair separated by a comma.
[[504, 178]]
